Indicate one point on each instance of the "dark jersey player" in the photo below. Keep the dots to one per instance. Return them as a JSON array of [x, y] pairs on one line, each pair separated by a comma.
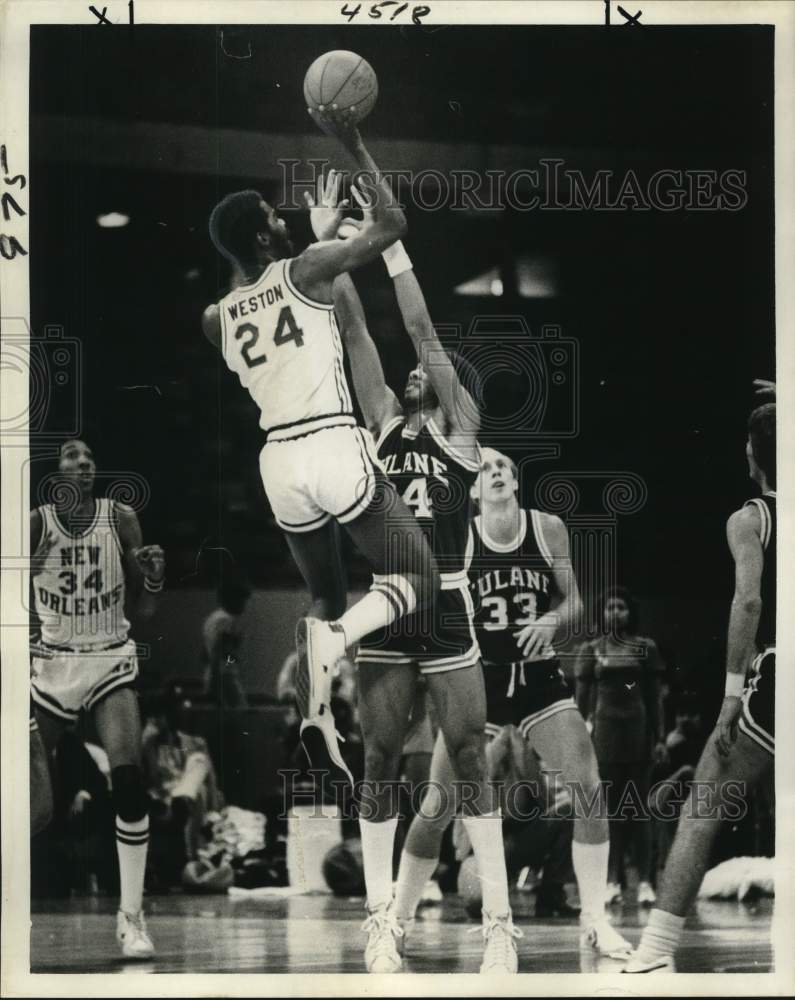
[[428, 446], [525, 594], [742, 746]]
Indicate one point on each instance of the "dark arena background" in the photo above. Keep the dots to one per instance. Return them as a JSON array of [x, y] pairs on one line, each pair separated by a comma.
[[659, 316]]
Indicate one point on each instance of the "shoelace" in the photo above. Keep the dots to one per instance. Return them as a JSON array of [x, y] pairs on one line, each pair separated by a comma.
[[385, 927], [499, 944]]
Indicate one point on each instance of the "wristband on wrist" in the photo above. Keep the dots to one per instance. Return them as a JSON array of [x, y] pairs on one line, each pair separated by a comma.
[[396, 259], [153, 586], [734, 685]]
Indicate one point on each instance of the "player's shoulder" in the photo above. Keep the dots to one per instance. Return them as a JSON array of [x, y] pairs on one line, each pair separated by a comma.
[[743, 521], [552, 528], [211, 323]]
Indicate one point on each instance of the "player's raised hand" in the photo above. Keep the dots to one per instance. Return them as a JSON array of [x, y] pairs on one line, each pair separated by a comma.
[[338, 123], [364, 200], [151, 561], [325, 212]]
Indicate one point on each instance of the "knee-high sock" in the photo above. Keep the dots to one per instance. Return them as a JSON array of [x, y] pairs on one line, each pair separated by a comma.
[[132, 840], [661, 935], [485, 835], [389, 598], [590, 868], [378, 843], [413, 876]]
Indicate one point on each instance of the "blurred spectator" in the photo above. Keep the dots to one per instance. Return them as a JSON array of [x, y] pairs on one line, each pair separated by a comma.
[[77, 852], [222, 634], [183, 787], [683, 744], [618, 680]]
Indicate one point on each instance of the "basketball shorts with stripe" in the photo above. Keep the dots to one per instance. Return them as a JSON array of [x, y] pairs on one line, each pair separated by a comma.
[[524, 694], [324, 474], [758, 715], [434, 639], [79, 679]]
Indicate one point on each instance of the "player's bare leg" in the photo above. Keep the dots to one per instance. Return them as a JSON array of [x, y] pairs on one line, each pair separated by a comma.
[[420, 854], [460, 698], [119, 729], [563, 743], [386, 694], [688, 858]]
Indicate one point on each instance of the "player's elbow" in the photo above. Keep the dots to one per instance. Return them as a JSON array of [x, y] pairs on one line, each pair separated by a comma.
[[747, 604]]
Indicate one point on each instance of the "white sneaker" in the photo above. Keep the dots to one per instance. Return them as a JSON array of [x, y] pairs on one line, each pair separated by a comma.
[[321, 742], [605, 940], [663, 964], [431, 894], [499, 952], [132, 935], [613, 893], [319, 645], [381, 953], [646, 895]]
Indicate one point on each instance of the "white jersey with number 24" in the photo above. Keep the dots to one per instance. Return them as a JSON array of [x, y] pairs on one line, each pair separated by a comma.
[[286, 350]]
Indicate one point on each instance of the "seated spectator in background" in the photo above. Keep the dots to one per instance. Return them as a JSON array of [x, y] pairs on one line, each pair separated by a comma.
[[222, 635], [684, 744], [182, 784]]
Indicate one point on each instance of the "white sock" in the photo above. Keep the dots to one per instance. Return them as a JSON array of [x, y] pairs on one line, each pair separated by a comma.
[[132, 840], [661, 935], [590, 869], [389, 598], [485, 835], [413, 876], [378, 845]]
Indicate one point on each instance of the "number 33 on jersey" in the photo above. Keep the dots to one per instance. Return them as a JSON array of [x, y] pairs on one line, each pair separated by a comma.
[[285, 348]]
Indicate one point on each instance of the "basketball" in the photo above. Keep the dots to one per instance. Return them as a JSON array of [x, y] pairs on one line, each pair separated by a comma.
[[343, 869], [341, 81]]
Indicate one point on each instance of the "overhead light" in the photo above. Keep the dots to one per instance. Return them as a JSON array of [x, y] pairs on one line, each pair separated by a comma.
[[496, 286], [112, 220]]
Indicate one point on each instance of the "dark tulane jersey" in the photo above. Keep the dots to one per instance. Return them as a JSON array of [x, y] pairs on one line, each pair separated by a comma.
[[766, 631], [511, 585], [434, 480]]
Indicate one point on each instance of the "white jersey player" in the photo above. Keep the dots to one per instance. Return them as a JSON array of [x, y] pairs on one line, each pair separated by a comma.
[[277, 331], [88, 567]]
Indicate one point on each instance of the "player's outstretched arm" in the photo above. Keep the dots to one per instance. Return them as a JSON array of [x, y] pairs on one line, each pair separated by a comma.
[[377, 401], [560, 620], [314, 269], [460, 410], [144, 565], [742, 532]]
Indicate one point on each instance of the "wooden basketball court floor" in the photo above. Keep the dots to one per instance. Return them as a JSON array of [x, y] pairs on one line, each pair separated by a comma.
[[321, 934]]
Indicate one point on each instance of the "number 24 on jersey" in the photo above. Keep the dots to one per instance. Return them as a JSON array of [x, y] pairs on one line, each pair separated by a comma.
[[286, 330]]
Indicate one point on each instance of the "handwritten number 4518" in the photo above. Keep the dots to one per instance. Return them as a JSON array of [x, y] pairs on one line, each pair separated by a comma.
[[377, 10]]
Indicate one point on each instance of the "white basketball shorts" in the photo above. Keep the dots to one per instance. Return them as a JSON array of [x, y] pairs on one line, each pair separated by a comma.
[[327, 473]]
